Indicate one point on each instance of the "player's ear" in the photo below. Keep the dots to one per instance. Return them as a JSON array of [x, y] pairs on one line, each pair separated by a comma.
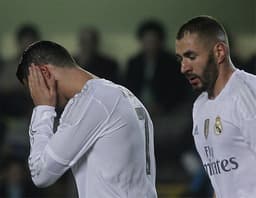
[[45, 71], [220, 52]]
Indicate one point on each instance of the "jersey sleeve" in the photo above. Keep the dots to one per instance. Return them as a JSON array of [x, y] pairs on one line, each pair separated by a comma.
[[52, 154], [249, 131], [246, 119]]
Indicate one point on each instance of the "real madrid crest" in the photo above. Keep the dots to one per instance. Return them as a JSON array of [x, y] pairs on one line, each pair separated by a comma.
[[218, 125]]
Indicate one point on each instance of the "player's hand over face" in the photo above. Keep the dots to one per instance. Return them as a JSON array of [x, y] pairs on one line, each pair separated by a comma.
[[42, 87]]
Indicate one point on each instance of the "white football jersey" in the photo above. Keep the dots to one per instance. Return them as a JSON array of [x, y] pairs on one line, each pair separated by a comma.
[[105, 136], [224, 131]]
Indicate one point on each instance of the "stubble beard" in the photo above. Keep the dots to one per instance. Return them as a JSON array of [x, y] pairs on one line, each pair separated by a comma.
[[209, 77]]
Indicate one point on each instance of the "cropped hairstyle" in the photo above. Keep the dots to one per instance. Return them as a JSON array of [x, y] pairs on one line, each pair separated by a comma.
[[42, 53]]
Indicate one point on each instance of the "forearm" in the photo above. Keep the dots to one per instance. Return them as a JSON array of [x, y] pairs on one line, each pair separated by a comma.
[[41, 128], [41, 131], [52, 154], [44, 169]]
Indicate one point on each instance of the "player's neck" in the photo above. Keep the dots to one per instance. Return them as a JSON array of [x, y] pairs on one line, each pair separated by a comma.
[[73, 80], [224, 75]]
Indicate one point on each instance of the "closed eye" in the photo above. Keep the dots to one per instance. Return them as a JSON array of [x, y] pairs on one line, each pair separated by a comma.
[[191, 55]]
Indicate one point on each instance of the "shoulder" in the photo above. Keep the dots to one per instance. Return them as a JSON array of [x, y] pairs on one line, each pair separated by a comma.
[[93, 97], [245, 89], [104, 91]]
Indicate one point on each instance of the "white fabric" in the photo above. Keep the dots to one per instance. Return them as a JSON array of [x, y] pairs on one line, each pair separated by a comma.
[[229, 155], [101, 137]]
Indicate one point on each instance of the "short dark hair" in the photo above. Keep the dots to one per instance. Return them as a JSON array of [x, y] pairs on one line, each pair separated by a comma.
[[41, 53], [28, 30], [151, 25], [205, 26]]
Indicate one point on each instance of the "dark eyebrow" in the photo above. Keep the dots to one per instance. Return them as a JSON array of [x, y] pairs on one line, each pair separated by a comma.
[[189, 53]]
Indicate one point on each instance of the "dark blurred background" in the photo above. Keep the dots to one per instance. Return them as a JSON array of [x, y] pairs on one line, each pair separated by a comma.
[[128, 42]]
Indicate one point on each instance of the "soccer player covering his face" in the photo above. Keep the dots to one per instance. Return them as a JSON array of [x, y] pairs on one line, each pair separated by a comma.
[[105, 135], [224, 114]]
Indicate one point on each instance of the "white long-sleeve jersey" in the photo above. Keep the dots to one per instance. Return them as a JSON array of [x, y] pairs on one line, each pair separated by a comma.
[[225, 136], [105, 136]]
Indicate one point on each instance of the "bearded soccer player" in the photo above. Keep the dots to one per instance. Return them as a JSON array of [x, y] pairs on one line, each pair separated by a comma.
[[224, 114], [105, 134]]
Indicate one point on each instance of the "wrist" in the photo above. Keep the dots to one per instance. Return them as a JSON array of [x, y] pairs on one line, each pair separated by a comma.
[[53, 104], [44, 107], [42, 112]]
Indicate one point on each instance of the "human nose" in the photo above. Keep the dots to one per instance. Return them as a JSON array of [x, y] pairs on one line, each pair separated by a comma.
[[185, 66]]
